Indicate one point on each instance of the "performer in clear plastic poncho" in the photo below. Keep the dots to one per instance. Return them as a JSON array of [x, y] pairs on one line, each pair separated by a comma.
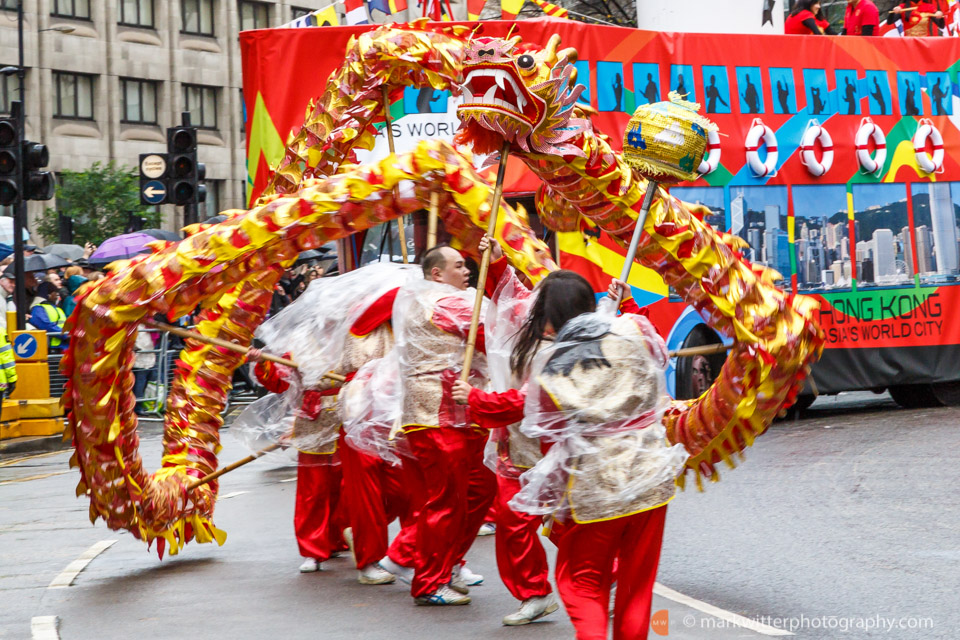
[[339, 325], [596, 396], [519, 325], [431, 321]]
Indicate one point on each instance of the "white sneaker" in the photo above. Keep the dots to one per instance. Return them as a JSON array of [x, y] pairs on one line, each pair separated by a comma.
[[404, 574], [310, 565], [469, 578], [532, 609], [487, 529], [375, 574], [348, 538], [442, 597]]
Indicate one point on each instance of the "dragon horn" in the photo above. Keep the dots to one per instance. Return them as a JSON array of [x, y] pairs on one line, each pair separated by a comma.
[[551, 48]]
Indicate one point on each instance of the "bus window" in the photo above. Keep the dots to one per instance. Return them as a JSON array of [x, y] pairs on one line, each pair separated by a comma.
[[821, 237], [759, 216], [711, 197], [936, 212], [882, 235]]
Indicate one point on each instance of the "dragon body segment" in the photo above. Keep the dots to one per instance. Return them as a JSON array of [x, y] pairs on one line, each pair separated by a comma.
[[516, 92]]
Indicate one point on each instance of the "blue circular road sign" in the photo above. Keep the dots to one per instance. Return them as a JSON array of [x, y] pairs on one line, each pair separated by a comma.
[[25, 345], [155, 192]]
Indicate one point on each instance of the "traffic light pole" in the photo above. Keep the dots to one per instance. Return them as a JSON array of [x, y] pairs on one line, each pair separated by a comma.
[[20, 210]]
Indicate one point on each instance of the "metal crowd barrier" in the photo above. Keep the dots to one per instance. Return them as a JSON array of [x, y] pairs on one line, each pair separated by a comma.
[[152, 400]]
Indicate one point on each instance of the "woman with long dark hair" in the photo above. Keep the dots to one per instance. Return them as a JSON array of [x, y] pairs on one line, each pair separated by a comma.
[[805, 19], [560, 297]]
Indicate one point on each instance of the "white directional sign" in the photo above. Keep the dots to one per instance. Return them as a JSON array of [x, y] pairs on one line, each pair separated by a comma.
[[153, 166]]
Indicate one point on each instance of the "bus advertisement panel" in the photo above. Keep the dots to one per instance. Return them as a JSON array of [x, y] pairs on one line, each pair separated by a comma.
[[836, 163]]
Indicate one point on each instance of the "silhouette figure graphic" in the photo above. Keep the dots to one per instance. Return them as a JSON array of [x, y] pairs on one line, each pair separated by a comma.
[[751, 97], [713, 94], [425, 99], [681, 88], [877, 94], [818, 104], [910, 100], [783, 96], [618, 92], [937, 96], [850, 96], [650, 90]]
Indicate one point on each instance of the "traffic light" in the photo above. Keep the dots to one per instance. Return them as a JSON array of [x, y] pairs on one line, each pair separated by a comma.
[[37, 184], [10, 162], [185, 184]]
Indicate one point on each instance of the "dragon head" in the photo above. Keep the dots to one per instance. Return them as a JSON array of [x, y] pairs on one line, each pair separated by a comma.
[[520, 93]]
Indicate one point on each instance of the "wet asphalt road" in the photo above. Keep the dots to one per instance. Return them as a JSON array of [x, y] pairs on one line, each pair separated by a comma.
[[842, 524]]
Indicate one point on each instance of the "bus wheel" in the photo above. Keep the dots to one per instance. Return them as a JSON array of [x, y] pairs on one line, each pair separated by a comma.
[[914, 396], [695, 374], [948, 393]]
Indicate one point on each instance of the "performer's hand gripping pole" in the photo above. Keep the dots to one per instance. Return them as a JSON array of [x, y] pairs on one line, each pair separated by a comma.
[[389, 125], [485, 263], [652, 188]]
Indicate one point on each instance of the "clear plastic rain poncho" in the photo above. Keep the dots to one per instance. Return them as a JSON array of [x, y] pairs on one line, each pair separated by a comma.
[[431, 324], [370, 410], [508, 452], [315, 332], [598, 395], [314, 328]]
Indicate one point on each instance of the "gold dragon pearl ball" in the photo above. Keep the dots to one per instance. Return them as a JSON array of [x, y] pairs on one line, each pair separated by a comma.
[[665, 141]]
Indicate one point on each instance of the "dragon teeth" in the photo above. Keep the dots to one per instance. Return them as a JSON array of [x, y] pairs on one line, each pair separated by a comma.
[[488, 97], [500, 81]]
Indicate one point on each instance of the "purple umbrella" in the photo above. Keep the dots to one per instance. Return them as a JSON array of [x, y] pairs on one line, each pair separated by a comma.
[[121, 247]]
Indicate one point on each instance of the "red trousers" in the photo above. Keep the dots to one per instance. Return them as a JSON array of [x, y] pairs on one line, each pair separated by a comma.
[[458, 490], [376, 495], [317, 519], [520, 556], [403, 549], [585, 572]]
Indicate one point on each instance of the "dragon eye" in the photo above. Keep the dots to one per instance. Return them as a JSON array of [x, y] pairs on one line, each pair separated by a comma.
[[526, 62]]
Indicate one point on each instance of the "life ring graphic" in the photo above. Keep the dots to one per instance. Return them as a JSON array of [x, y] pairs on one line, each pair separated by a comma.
[[870, 130], [808, 152], [759, 131], [711, 160], [926, 130]]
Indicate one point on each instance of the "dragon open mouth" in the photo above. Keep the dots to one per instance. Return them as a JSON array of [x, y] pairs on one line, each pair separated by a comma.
[[496, 88], [495, 101]]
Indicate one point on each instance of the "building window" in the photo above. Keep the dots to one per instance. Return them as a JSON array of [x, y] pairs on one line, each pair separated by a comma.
[[74, 95], [9, 5], [197, 17], [254, 15], [71, 9], [9, 91], [211, 206], [201, 102], [139, 101], [299, 12], [136, 13]]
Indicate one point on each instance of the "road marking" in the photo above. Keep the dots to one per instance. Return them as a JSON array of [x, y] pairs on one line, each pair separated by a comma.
[[39, 477], [68, 575], [7, 463], [44, 628], [231, 495], [289, 480], [717, 612]]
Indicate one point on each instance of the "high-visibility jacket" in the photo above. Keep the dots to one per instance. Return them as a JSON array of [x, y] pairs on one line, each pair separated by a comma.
[[8, 369], [55, 316]]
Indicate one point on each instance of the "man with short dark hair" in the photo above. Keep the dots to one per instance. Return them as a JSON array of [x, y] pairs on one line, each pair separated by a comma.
[[432, 320], [46, 315]]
